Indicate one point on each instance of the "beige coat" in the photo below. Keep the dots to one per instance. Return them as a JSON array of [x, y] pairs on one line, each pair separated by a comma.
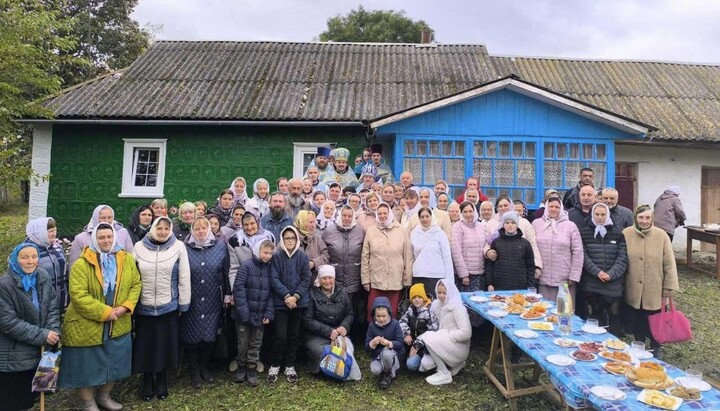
[[651, 268], [442, 219], [387, 258]]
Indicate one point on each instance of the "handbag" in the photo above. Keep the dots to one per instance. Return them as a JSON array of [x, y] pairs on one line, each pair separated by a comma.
[[670, 326], [46, 375], [336, 362]]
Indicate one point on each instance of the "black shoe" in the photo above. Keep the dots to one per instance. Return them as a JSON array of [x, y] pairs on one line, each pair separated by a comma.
[[195, 378], [252, 377], [241, 374], [385, 380], [161, 389], [148, 387], [207, 375]]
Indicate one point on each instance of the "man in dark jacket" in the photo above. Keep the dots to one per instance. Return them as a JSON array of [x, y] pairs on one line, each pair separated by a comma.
[[514, 267], [604, 267], [580, 213], [572, 196], [384, 342], [622, 217], [277, 218]]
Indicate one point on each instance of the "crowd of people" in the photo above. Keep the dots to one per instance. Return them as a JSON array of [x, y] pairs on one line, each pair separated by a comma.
[[342, 252]]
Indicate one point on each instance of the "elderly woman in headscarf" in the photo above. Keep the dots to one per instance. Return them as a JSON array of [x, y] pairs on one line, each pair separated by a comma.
[[209, 265], [486, 212], [431, 248], [367, 217], [449, 346], [329, 316], [238, 188], [443, 201], [241, 245], [224, 207], [165, 273], [605, 261], [387, 258], [259, 204], [42, 232], [102, 214], [181, 225], [327, 216], [29, 319], [503, 204], [140, 222], [454, 212], [651, 276], [561, 248], [97, 344], [234, 224], [310, 240], [468, 241]]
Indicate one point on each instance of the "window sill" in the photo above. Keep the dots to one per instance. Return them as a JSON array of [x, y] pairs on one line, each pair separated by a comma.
[[141, 195]]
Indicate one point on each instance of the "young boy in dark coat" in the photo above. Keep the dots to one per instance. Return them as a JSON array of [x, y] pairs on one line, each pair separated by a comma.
[[384, 342], [514, 267], [254, 309]]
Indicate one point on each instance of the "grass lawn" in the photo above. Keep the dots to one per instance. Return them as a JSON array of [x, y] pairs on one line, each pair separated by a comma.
[[470, 390]]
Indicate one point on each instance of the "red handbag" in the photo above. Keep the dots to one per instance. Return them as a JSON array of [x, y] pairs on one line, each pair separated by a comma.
[[670, 326]]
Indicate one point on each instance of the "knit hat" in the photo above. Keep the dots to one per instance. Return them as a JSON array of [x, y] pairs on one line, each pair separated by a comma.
[[511, 215], [342, 154], [376, 148], [323, 151], [418, 290], [369, 169]]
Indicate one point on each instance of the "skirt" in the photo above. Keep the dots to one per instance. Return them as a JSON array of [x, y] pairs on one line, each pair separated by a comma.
[[16, 391], [98, 365], [157, 346]]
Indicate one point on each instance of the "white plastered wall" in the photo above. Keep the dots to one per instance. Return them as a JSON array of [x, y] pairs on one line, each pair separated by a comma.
[[40, 187], [659, 167]]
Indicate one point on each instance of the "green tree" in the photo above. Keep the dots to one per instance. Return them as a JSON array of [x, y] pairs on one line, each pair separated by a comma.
[[31, 50], [374, 26]]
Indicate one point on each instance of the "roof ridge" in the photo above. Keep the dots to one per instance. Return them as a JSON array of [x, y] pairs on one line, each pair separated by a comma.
[[328, 43], [601, 60]]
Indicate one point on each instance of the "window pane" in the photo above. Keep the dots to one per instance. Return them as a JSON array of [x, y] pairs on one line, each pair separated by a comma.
[[600, 173], [142, 154], [154, 155], [530, 198], [139, 181], [478, 149], [460, 149], [433, 171], [525, 173], [549, 150], [153, 168], [587, 151], [409, 146], [517, 194], [517, 150], [421, 148], [561, 151], [504, 149], [413, 165], [491, 193], [504, 172], [529, 150], [553, 174], [141, 168], [574, 150], [435, 148], [455, 171], [600, 151], [483, 169], [491, 149], [151, 181], [572, 172], [447, 148]]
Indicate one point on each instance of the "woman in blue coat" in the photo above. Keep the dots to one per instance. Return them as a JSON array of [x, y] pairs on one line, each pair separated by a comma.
[[209, 264]]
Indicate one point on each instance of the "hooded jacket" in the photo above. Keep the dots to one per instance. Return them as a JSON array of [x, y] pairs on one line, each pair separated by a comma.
[[668, 212], [290, 271], [561, 249], [390, 331], [606, 254], [493, 226], [431, 248], [514, 268], [451, 342], [51, 258], [136, 231], [344, 247], [468, 242], [252, 291], [240, 247], [324, 314]]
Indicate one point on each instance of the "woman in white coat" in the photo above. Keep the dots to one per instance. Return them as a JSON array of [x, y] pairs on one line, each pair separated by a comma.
[[431, 248], [449, 346]]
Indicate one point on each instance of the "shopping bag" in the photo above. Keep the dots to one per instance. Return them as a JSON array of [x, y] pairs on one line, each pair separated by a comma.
[[670, 326], [45, 378], [336, 362]]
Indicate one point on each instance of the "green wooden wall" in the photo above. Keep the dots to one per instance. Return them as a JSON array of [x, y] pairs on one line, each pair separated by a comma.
[[87, 162]]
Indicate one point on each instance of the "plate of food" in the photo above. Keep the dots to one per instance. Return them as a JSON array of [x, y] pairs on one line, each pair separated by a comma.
[[526, 334], [559, 359], [615, 344], [591, 347], [517, 299], [582, 355], [593, 330], [497, 304], [495, 297], [607, 392], [643, 355], [497, 313], [687, 394], [617, 368], [659, 399], [540, 326], [514, 309], [649, 375], [478, 299], [700, 385], [566, 342], [621, 356], [553, 319], [533, 313], [533, 298]]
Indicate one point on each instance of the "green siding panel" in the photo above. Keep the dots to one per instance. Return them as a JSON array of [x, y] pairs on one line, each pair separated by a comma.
[[87, 163]]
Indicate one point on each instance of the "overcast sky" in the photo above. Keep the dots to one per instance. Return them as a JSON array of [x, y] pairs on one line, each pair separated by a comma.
[[681, 30]]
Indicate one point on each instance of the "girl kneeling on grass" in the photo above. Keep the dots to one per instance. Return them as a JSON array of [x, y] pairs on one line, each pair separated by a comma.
[[448, 347]]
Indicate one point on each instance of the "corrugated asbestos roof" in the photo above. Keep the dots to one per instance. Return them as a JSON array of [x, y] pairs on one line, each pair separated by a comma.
[[354, 82]]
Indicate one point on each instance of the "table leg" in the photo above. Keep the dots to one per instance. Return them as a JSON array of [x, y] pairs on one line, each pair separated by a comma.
[[492, 357], [717, 258], [507, 369], [688, 251]]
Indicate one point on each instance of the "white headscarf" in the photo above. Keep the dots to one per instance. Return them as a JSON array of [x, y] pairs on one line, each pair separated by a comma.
[[239, 198], [600, 228], [37, 231], [552, 222], [453, 299], [338, 218]]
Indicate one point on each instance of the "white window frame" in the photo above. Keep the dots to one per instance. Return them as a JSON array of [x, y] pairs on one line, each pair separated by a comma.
[[299, 150], [129, 190]]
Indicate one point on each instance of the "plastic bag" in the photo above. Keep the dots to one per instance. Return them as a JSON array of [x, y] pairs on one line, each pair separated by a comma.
[[46, 376]]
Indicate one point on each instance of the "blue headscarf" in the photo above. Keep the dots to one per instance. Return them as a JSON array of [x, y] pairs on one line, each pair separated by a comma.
[[29, 281], [108, 263]]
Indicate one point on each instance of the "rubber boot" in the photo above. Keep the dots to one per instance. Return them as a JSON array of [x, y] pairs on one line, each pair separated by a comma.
[[161, 389], [148, 386]]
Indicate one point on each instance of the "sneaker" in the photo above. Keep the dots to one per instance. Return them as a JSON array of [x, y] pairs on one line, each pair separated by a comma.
[[273, 374], [260, 367], [439, 378], [240, 374], [291, 374], [456, 369], [252, 377], [233, 366], [385, 380]]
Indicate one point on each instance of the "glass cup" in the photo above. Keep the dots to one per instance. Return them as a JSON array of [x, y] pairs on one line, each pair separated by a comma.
[[532, 290], [694, 376], [592, 323], [637, 347]]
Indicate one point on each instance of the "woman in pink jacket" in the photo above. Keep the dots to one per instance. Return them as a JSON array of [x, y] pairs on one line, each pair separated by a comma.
[[468, 241], [561, 249]]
